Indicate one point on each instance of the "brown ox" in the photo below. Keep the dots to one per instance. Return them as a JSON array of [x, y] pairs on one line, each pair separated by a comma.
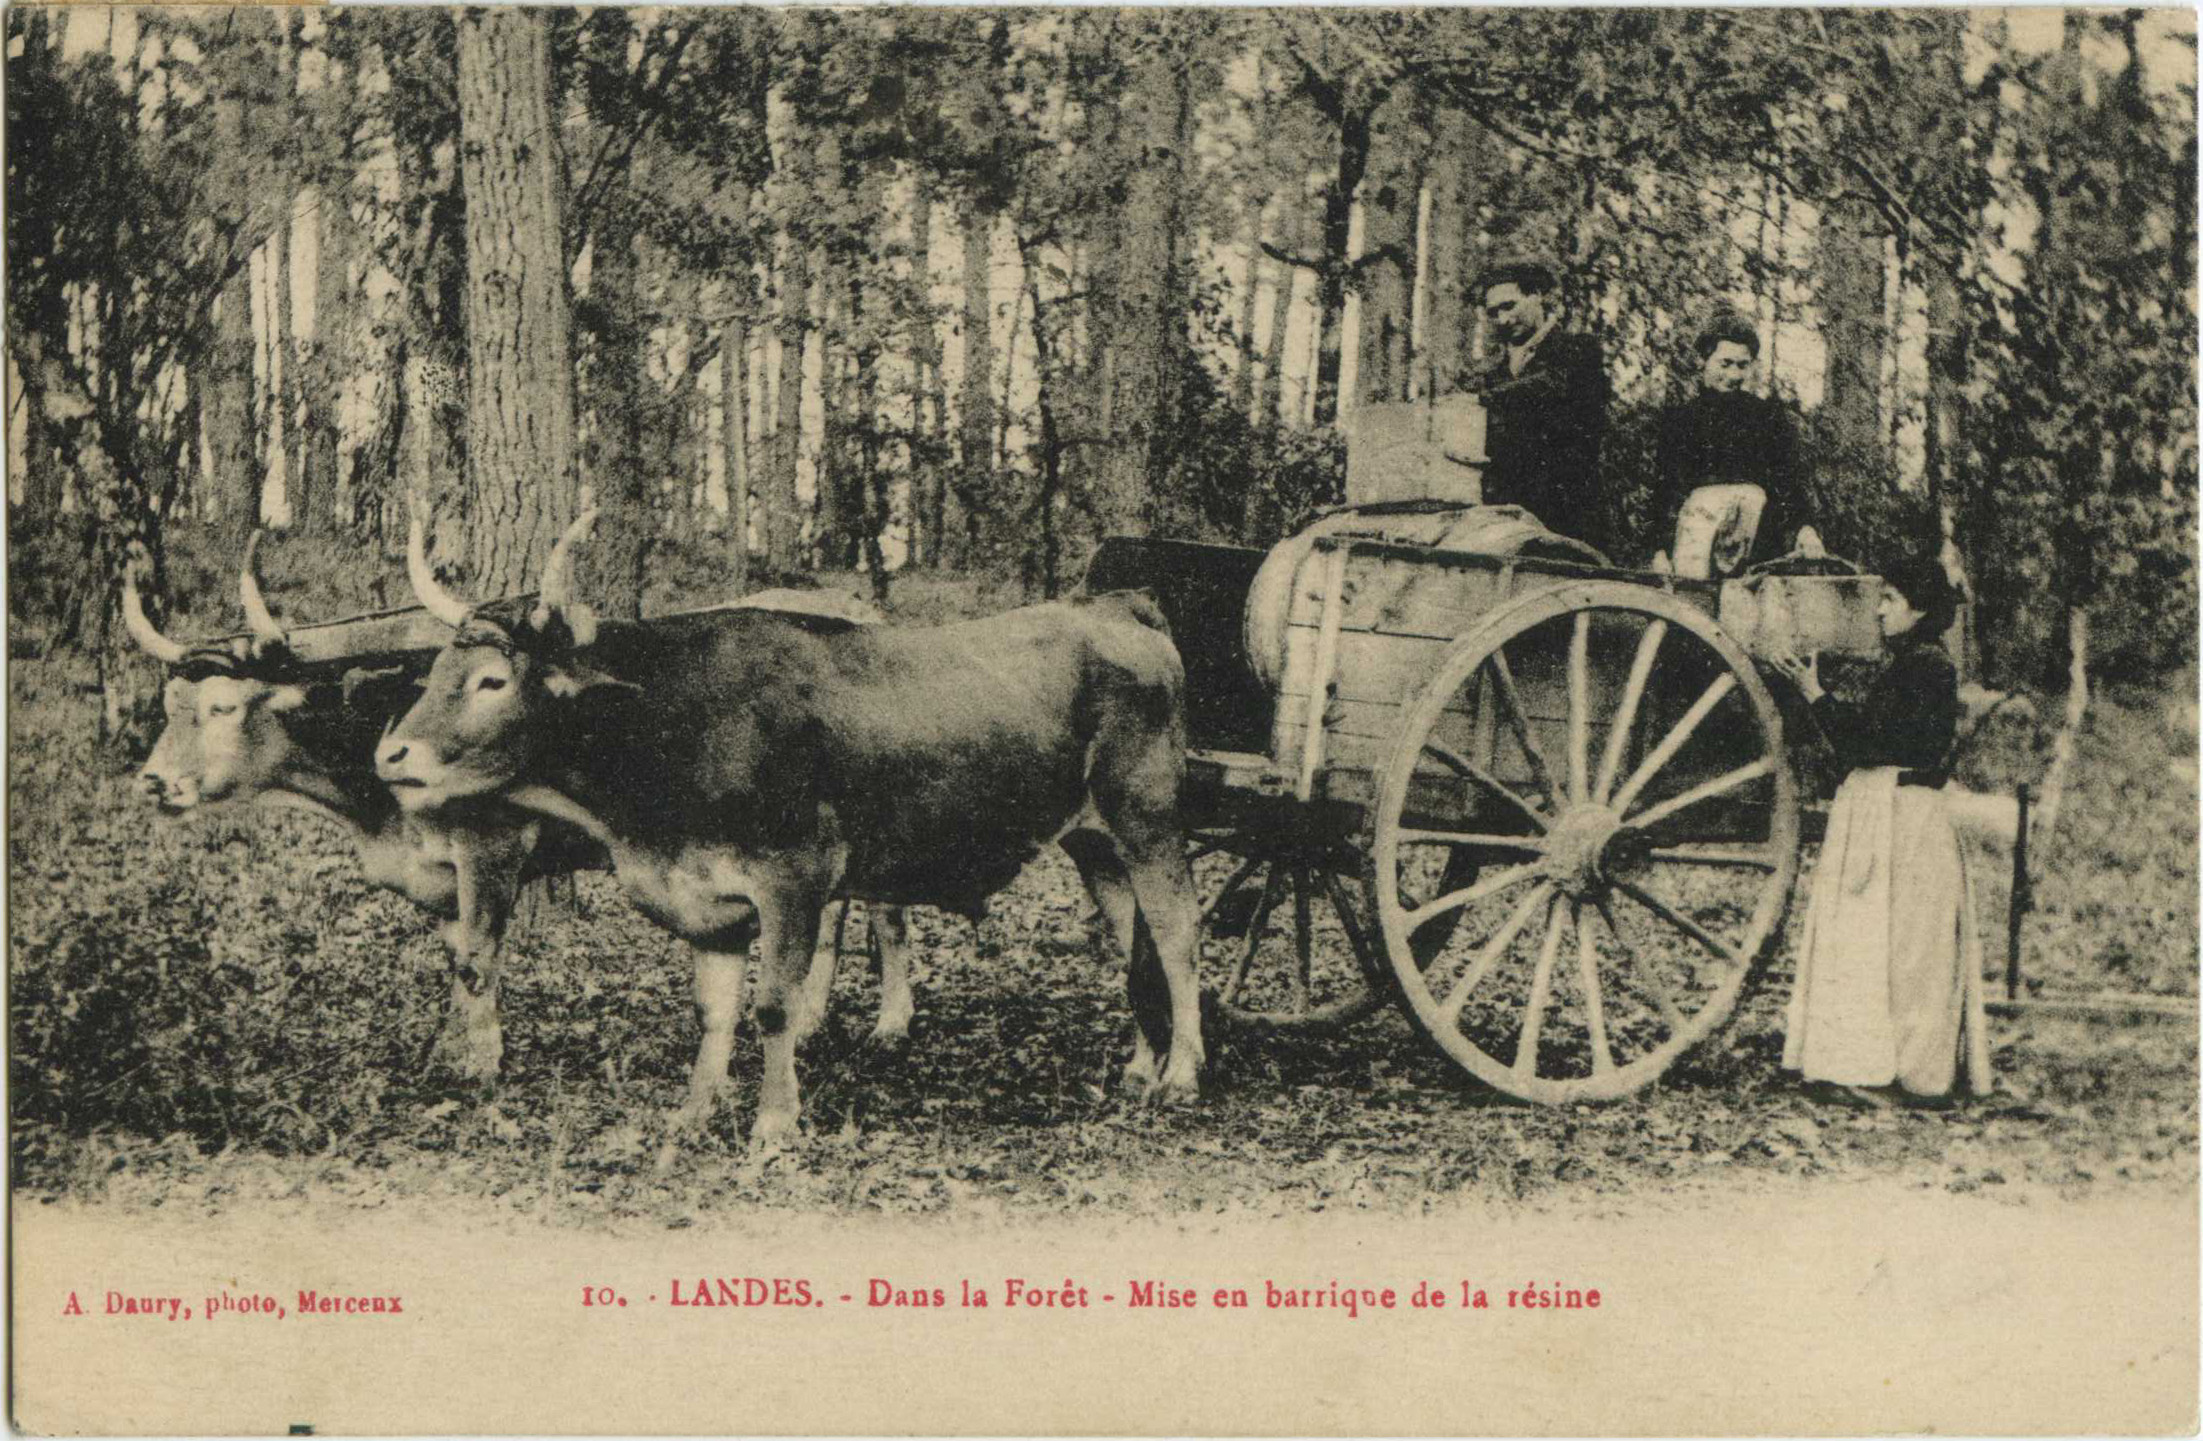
[[742, 768], [245, 721]]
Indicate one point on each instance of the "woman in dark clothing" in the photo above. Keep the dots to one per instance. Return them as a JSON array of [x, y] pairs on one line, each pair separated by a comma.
[[1888, 994]]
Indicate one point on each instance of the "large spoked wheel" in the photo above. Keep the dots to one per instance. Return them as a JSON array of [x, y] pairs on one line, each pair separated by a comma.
[[1616, 766], [1286, 941]]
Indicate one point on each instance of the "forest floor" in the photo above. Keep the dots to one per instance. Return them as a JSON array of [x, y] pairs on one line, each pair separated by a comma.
[[213, 1011]]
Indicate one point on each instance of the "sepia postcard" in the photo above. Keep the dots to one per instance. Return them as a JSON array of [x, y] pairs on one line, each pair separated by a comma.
[[1155, 721]]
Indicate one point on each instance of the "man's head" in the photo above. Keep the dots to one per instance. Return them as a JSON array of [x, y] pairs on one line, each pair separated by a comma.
[[498, 691], [224, 702], [1515, 296], [1728, 348]]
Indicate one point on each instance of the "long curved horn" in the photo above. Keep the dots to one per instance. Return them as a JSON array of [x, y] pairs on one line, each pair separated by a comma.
[[558, 572], [257, 615], [441, 603], [159, 646]]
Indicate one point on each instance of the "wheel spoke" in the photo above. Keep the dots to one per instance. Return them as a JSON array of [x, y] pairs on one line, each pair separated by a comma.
[[1302, 941], [1587, 969], [1239, 878], [1680, 921], [1710, 856], [1521, 845], [1541, 995], [1579, 708], [1518, 721], [1490, 885], [1625, 716], [1493, 948], [1640, 975], [1271, 886], [1720, 785], [1673, 741], [1348, 922], [1462, 765]]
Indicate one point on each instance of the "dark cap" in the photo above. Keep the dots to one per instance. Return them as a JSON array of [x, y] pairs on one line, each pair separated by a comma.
[[1534, 276], [1726, 325]]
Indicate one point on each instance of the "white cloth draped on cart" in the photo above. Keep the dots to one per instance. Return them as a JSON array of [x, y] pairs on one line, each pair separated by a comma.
[[1889, 981]]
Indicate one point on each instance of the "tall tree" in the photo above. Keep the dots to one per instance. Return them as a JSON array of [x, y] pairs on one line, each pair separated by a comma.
[[520, 403]]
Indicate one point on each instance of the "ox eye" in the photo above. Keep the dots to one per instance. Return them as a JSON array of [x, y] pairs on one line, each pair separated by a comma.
[[489, 682], [228, 709]]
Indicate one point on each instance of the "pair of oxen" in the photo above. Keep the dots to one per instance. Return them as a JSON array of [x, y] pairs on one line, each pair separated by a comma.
[[738, 769]]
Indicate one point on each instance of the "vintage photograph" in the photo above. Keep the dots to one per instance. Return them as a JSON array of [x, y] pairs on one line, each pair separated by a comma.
[[749, 719]]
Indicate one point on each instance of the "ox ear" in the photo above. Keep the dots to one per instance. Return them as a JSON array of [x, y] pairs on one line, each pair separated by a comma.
[[570, 682], [364, 687], [571, 623], [283, 698]]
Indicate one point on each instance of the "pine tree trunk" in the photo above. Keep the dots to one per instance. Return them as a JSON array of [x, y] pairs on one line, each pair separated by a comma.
[[1243, 362], [1148, 331], [520, 396], [975, 396], [928, 479], [734, 404], [626, 480], [1287, 229], [282, 427], [787, 515], [1455, 187], [1851, 286], [1385, 346], [229, 385]]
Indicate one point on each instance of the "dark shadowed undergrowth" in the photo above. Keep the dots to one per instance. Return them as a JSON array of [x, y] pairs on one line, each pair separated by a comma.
[[216, 1009]]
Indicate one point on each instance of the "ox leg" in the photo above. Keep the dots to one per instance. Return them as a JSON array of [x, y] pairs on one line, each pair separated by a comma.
[[1169, 919], [1110, 884], [1133, 780], [790, 933], [818, 986], [718, 1007], [473, 1043], [890, 930]]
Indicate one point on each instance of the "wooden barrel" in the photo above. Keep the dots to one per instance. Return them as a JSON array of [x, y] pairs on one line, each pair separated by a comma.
[[1501, 530]]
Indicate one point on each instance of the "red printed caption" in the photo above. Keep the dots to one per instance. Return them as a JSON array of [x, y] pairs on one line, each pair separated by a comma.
[[222, 1305], [875, 1293]]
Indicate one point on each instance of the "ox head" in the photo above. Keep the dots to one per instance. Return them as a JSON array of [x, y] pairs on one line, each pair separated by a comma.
[[500, 691], [224, 701]]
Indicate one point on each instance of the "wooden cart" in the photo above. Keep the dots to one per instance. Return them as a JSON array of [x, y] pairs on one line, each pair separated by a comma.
[[1547, 806]]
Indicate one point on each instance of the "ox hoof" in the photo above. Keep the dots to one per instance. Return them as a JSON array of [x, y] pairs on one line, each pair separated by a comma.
[[772, 1134], [1174, 1090], [472, 1058]]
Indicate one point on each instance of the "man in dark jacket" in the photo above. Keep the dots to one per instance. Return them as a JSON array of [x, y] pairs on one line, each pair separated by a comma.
[[1726, 436], [1545, 399]]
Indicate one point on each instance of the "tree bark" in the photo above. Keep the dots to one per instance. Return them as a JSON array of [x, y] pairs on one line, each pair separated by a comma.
[[229, 385], [282, 396], [1386, 352], [1148, 331], [1851, 292], [626, 480], [1287, 230], [734, 406], [787, 516], [975, 395], [929, 407], [520, 423]]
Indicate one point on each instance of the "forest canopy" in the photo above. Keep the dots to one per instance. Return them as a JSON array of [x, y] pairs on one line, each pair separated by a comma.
[[902, 288]]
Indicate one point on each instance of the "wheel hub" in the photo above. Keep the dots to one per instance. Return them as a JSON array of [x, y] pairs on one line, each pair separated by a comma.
[[1576, 848]]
